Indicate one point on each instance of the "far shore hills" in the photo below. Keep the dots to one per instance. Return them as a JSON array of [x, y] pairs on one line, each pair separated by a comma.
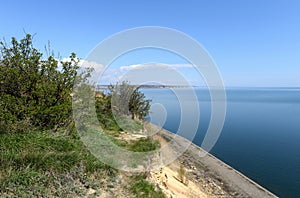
[[150, 86], [153, 86]]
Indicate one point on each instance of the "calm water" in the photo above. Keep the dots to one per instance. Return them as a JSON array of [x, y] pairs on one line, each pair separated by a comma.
[[261, 134]]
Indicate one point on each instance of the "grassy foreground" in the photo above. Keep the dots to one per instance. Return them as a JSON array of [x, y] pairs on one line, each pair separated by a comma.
[[36, 164], [43, 163]]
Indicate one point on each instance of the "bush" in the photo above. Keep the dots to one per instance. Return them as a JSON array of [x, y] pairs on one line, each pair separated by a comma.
[[34, 91]]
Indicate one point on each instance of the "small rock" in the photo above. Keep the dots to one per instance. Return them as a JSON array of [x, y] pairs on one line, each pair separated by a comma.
[[110, 186]]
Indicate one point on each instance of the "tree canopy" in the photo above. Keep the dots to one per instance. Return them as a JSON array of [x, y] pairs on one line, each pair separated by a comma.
[[127, 99]]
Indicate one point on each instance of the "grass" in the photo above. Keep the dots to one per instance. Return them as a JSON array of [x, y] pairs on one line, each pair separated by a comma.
[[128, 124], [143, 145], [58, 164], [108, 122], [140, 145], [43, 163], [131, 126], [142, 188], [47, 164], [118, 123]]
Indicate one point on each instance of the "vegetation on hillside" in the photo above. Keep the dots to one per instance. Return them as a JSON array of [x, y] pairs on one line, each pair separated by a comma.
[[43, 164], [120, 102], [35, 90], [127, 99], [41, 152]]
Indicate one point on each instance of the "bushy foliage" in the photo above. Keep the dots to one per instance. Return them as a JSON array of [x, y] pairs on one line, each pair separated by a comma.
[[104, 112], [127, 99], [121, 101], [34, 91]]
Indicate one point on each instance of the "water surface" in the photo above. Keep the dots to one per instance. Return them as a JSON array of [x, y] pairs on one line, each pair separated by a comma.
[[260, 137]]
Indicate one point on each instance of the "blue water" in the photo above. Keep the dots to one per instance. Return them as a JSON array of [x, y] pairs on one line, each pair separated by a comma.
[[260, 137]]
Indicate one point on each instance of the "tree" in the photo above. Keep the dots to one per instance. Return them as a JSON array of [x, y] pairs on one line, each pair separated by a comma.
[[128, 100], [35, 90], [139, 106]]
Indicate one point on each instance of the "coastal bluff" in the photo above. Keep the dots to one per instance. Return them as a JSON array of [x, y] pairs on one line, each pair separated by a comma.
[[207, 175]]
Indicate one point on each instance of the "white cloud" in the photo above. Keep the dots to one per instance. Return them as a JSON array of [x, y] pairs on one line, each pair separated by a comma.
[[172, 74], [155, 66], [98, 67]]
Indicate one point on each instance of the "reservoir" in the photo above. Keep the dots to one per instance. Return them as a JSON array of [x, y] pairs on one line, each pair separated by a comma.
[[261, 133]]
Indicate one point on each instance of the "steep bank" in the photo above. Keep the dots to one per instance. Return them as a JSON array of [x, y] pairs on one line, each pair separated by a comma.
[[212, 177]]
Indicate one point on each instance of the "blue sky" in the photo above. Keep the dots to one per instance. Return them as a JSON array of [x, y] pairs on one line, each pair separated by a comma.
[[254, 43]]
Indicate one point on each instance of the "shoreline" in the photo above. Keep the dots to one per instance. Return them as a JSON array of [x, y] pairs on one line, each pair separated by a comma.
[[209, 167]]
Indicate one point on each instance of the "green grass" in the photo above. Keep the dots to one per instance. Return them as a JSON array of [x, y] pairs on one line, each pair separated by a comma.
[[142, 188], [140, 145], [108, 122], [120, 123], [143, 145], [47, 164], [43, 163], [128, 124]]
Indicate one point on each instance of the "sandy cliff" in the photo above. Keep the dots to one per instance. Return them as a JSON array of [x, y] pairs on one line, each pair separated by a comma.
[[205, 176]]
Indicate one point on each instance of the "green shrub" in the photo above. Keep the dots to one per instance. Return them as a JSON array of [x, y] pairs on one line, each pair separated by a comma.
[[35, 91], [144, 189]]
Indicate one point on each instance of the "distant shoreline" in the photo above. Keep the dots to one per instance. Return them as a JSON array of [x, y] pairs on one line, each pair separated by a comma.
[[199, 86], [151, 86]]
